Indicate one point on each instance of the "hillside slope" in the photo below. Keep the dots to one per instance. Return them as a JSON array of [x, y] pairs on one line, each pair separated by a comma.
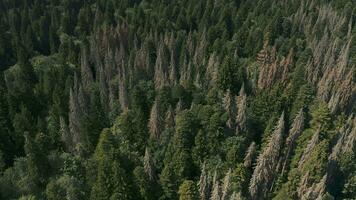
[[210, 100]]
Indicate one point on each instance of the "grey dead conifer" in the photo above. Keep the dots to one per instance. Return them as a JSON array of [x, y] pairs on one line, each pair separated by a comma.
[[344, 145], [230, 107], [77, 114], [350, 142], [148, 165], [294, 133], [169, 120], [342, 98], [211, 73], [236, 196], [226, 187], [204, 185], [161, 67], [303, 184], [74, 117], [215, 193], [269, 66], [155, 121], [250, 155], [85, 71], [200, 49], [315, 191], [83, 101], [123, 96], [104, 90], [320, 188], [241, 117], [198, 82], [265, 169], [173, 74], [65, 134]]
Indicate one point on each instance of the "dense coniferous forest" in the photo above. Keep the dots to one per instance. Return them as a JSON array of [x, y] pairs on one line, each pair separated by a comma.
[[177, 99]]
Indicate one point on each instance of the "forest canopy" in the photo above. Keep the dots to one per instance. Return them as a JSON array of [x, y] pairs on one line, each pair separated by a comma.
[[177, 99]]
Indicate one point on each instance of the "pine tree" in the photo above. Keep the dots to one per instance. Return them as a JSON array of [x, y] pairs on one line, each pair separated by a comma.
[[216, 192], [309, 149], [7, 141], [226, 187], [250, 155], [228, 76], [230, 108], [36, 157], [173, 74], [346, 141], [211, 74], [316, 191], [83, 25], [265, 170], [188, 191], [155, 121], [65, 135], [204, 185], [112, 180], [294, 133], [161, 67], [97, 119], [22, 123], [236, 196], [85, 71], [241, 119], [178, 163], [20, 84], [75, 123], [169, 120], [149, 166], [179, 106], [123, 97]]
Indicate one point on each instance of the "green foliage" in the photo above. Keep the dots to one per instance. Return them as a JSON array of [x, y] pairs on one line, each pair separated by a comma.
[[320, 156], [288, 190], [129, 125], [75, 122], [234, 150], [239, 177], [65, 187], [188, 191], [178, 163], [231, 75], [38, 166], [149, 189], [112, 180], [349, 187]]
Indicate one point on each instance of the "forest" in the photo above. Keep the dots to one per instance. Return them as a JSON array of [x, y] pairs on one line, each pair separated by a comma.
[[177, 99]]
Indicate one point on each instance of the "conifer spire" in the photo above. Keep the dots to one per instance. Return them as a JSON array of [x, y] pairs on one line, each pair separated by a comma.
[[230, 108], [169, 120], [85, 71], [309, 149], [215, 193], [241, 110], [149, 165], [154, 123], [226, 190], [265, 170], [65, 134], [250, 154], [204, 184], [294, 133]]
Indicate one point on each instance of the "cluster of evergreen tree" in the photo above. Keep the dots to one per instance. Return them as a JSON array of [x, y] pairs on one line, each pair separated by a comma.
[[183, 99]]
